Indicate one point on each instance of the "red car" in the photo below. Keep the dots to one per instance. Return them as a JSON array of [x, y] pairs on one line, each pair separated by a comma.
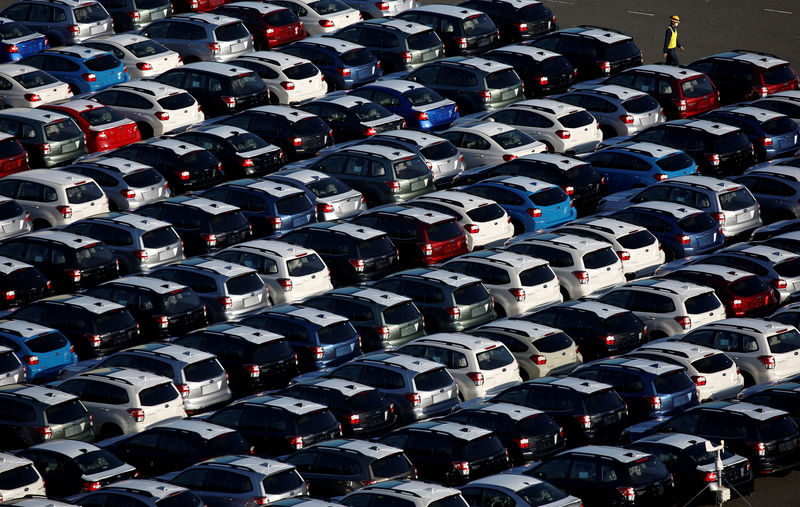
[[180, 6], [13, 157], [271, 25], [104, 128]]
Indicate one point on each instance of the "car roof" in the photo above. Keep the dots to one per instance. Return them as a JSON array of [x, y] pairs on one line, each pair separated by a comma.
[[135, 378], [576, 384], [409, 27], [454, 198], [201, 203], [418, 137], [754, 112], [651, 149], [649, 366], [274, 188], [274, 247], [487, 128], [10, 461], [460, 341], [536, 53], [550, 106], [790, 172], [398, 85], [219, 267], [147, 87], [289, 404], [669, 70], [386, 152], [448, 10], [526, 183], [461, 431], [276, 58], [153, 488], [290, 113], [261, 7], [51, 176], [757, 412], [514, 412], [123, 39], [9, 265], [205, 429], [314, 316], [206, 17], [513, 482], [475, 62], [424, 216], [712, 127], [139, 222], [346, 387], [377, 296], [177, 352], [415, 364], [715, 184], [16, 69], [725, 272], [602, 310], [426, 490], [620, 92], [532, 330], [358, 232], [65, 238], [559, 160], [686, 350], [684, 289], [599, 33], [91, 304], [679, 211], [69, 448], [347, 101], [154, 284], [676, 440], [23, 328], [605, 225], [370, 449], [442, 276], [567, 240], [507, 258], [758, 325], [81, 52], [221, 130], [113, 164], [247, 333], [338, 45], [177, 146], [758, 59], [255, 464], [40, 394], [769, 253], [617, 453]]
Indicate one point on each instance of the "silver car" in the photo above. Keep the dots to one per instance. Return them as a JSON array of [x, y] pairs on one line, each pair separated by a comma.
[[14, 220], [11, 369], [514, 490], [65, 22], [127, 184], [201, 36]]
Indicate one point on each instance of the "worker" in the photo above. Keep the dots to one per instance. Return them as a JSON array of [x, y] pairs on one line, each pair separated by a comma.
[[671, 42]]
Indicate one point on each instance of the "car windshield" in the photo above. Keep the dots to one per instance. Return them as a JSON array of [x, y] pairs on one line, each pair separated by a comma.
[[749, 286], [536, 276], [158, 395], [778, 75], [280, 483], [477, 24], [673, 382], [603, 401], [444, 231], [324, 7], [65, 412], [316, 422], [369, 111], [512, 139], [18, 477], [102, 63], [713, 363], [505, 78], [785, 341], [14, 31], [641, 104], [697, 87], [306, 265], [232, 32], [181, 499], [327, 187], [227, 222], [621, 50], [114, 321], [486, 213], [576, 119], [411, 167], [375, 247], [541, 494], [293, 204], [280, 18], [10, 209], [101, 116], [675, 162], [90, 13], [35, 79], [97, 461], [439, 151], [646, 471], [62, 130], [422, 96], [301, 71], [736, 199], [423, 40], [699, 222], [401, 313], [245, 284], [245, 141], [46, 342], [177, 101], [146, 48], [548, 197], [601, 258], [494, 358], [159, 238], [729, 143], [340, 332], [391, 466], [180, 301], [471, 294], [433, 380], [92, 255], [203, 371]]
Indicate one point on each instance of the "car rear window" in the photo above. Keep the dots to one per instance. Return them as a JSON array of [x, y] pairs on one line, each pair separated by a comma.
[[580, 175], [203, 370], [366, 401], [729, 143], [159, 238], [92, 255], [143, 178], [477, 24], [433, 380], [245, 284], [675, 162], [697, 87], [14, 31], [301, 71], [47, 342], [449, 501], [620, 50], [736, 199], [336, 333], [101, 116], [8, 362], [231, 32], [90, 13], [788, 269], [10, 147], [229, 443], [778, 126], [505, 78], [375, 247], [698, 222], [370, 111], [673, 382], [646, 471], [157, 395], [600, 258], [494, 358], [423, 40], [536, 276], [65, 412], [177, 101], [391, 466], [180, 301], [702, 303], [712, 363], [316, 422], [146, 48], [541, 494], [246, 83], [293, 204], [402, 313], [778, 74], [785, 341], [638, 239], [181, 499], [113, 321], [328, 6], [23, 279], [641, 104], [327, 187], [482, 447], [549, 197], [102, 63], [422, 96], [245, 141], [748, 286], [271, 351], [576, 119], [356, 57], [310, 125], [411, 167], [305, 265], [486, 213], [35, 79], [83, 193], [18, 477], [62, 130], [444, 231], [226, 222], [96, 461], [439, 151], [10, 209], [280, 483], [281, 18], [471, 294], [512, 139], [623, 322]]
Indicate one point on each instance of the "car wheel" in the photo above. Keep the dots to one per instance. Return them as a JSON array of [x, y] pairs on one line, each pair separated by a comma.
[[109, 431], [518, 227], [499, 310], [190, 59], [608, 132], [748, 379], [565, 294], [656, 335], [75, 90], [145, 130], [40, 224]]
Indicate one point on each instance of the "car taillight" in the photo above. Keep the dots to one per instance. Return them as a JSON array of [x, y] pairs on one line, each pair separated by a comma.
[[285, 283], [627, 492], [779, 283], [73, 274], [229, 101], [65, 211], [713, 158], [326, 23], [737, 304], [183, 389], [369, 131], [393, 185], [414, 398], [699, 380], [162, 115], [316, 352], [608, 339], [759, 447], [74, 29], [660, 176], [33, 97], [684, 321], [295, 442], [761, 91], [623, 255], [604, 66], [383, 332], [89, 77], [539, 359], [462, 42], [767, 361], [358, 264], [461, 467], [534, 212], [584, 420], [384, 6], [582, 276], [472, 228], [276, 222], [90, 486], [626, 119], [422, 116], [508, 157], [213, 46], [523, 27], [519, 294], [654, 401], [137, 414], [563, 134], [427, 249], [144, 66], [683, 239], [454, 312], [162, 321], [128, 193], [253, 370], [209, 238], [476, 377], [486, 95], [325, 208], [30, 360], [93, 339], [568, 190], [344, 71], [406, 56]]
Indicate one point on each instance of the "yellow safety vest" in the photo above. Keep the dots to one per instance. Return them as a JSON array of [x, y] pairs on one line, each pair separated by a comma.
[[673, 40]]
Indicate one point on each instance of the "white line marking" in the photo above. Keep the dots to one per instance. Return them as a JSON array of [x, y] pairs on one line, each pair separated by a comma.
[[774, 10], [561, 2], [640, 13]]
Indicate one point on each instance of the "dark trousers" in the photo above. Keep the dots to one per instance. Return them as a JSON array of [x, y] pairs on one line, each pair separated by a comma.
[[672, 57]]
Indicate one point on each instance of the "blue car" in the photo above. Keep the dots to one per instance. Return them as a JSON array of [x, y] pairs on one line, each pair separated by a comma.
[[682, 230], [42, 350], [422, 107], [345, 65], [320, 339], [269, 206], [639, 164], [773, 134], [18, 41], [531, 204], [84, 69]]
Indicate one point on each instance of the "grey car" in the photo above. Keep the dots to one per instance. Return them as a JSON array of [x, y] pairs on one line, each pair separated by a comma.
[[50, 138], [130, 15], [512, 490], [140, 243], [64, 22], [14, 220], [11, 369], [201, 36], [127, 184], [619, 111], [777, 189]]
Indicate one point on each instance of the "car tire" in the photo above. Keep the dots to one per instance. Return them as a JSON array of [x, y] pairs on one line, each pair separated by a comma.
[[565, 294], [145, 130], [607, 132], [40, 224], [518, 227], [499, 310], [748, 379], [190, 59], [110, 430]]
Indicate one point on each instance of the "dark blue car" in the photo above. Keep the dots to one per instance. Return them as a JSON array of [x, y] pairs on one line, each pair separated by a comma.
[[632, 165], [682, 230], [345, 65], [269, 206], [42, 350], [773, 134], [421, 107], [83, 68], [351, 117], [18, 41]]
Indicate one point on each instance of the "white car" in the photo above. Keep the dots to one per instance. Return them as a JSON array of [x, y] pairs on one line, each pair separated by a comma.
[[486, 142], [486, 222], [290, 79], [26, 86], [156, 108], [481, 367], [562, 127], [715, 374], [292, 273], [322, 16], [142, 56], [18, 478]]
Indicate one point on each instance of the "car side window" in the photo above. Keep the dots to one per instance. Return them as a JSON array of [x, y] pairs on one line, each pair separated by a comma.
[[427, 75], [475, 142], [158, 30], [554, 469], [223, 481], [174, 78], [620, 298]]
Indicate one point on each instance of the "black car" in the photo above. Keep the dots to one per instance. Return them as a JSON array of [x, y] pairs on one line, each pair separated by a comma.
[[360, 409], [600, 330], [543, 72], [528, 434], [594, 51], [589, 412], [353, 253], [278, 425], [450, 452], [768, 437], [175, 446], [517, 20], [204, 225], [161, 309], [70, 261], [95, 327], [784, 395], [185, 166], [21, 283], [254, 359], [353, 117], [299, 134], [337, 467], [220, 88], [464, 31], [609, 476], [241, 153]]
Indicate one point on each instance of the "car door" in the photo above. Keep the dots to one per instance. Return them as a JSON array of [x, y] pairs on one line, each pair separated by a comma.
[[221, 488]]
